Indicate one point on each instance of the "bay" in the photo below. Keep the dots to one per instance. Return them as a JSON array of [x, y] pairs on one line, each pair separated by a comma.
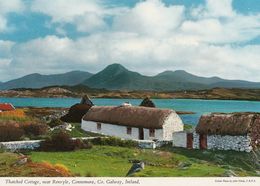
[[194, 105]]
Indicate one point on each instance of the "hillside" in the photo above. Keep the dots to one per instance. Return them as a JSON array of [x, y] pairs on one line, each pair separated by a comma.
[[81, 90], [117, 77], [38, 80]]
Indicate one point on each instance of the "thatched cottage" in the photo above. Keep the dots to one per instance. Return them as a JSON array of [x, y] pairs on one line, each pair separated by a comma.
[[233, 131], [132, 122]]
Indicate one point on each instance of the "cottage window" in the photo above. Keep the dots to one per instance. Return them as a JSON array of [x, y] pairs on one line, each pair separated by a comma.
[[129, 130], [151, 132], [98, 126]]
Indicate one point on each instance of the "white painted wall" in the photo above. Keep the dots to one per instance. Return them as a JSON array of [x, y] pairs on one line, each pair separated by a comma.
[[173, 123], [179, 139], [119, 131], [157, 135], [110, 130]]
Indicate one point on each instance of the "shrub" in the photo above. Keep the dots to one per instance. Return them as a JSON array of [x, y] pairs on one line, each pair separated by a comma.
[[55, 122], [61, 141], [18, 113], [35, 129], [10, 133], [113, 141]]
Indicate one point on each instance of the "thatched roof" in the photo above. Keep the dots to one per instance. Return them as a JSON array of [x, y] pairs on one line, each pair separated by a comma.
[[76, 112], [132, 116], [228, 124], [147, 103]]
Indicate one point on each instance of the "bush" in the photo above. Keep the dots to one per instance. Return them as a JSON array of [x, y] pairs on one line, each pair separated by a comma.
[[55, 122], [10, 133], [113, 141], [35, 129], [61, 141]]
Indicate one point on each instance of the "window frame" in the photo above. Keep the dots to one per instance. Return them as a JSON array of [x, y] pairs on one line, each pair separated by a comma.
[[151, 132], [129, 130], [99, 126]]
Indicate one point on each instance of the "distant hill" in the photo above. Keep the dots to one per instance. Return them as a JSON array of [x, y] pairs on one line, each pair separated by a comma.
[[39, 81], [117, 77], [183, 76]]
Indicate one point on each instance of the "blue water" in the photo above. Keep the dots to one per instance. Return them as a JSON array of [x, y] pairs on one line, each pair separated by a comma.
[[198, 106]]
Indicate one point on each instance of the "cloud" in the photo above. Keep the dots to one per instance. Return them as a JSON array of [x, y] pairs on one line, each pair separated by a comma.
[[207, 40], [86, 15], [151, 17], [6, 7]]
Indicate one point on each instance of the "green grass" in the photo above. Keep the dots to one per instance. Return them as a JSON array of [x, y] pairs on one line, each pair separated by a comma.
[[114, 161], [78, 132]]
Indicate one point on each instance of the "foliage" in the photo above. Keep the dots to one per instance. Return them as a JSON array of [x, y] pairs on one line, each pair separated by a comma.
[[10, 132], [30, 169], [116, 161], [35, 129], [55, 122], [18, 113], [62, 141], [113, 141]]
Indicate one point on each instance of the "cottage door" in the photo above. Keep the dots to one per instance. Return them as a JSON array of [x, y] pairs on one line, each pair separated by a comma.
[[203, 141], [141, 133], [190, 141]]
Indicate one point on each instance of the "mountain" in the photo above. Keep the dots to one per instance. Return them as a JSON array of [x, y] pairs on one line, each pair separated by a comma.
[[116, 77], [39, 81], [183, 76]]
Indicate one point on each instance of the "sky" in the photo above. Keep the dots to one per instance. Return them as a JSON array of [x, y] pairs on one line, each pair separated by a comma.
[[204, 37]]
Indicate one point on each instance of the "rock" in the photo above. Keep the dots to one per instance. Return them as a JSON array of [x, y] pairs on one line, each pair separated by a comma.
[[184, 165], [22, 161], [136, 167], [230, 173]]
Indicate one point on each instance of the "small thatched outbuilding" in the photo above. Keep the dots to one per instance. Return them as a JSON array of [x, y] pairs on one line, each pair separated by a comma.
[[147, 102], [132, 122], [77, 111], [242, 130], [223, 131]]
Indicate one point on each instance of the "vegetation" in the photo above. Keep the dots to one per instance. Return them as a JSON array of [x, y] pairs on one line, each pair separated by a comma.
[[113, 141], [115, 161], [62, 141], [16, 124], [10, 168], [79, 91]]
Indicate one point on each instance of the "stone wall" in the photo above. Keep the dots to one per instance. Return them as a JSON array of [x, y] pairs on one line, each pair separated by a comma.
[[17, 145], [225, 142], [237, 143]]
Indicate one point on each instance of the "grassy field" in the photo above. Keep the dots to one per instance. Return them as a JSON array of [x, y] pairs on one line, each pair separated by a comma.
[[114, 161], [10, 168]]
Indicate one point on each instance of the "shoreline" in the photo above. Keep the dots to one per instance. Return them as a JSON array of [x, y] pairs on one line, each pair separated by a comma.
[[155, 98]]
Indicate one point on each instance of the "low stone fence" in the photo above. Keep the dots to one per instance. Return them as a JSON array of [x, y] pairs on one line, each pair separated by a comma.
[[17, 145], [30, 144], [33, 144]]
